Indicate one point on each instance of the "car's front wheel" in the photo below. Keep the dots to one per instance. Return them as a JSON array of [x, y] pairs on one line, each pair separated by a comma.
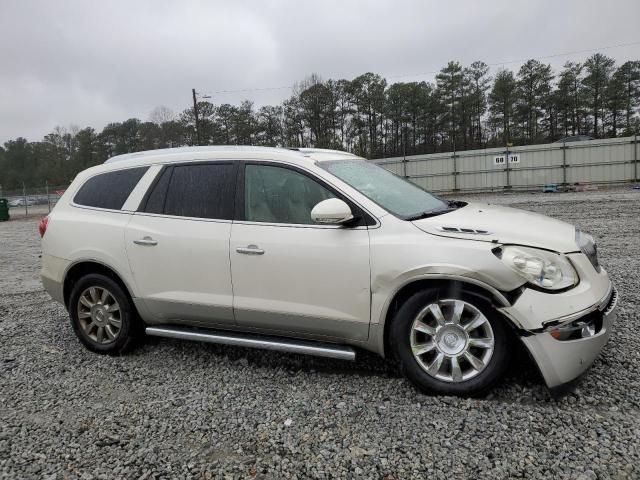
[[452, 344], [102, 314]]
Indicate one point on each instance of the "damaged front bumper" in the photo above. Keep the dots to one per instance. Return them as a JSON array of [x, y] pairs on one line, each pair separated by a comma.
[[564, 350], [564, 332]]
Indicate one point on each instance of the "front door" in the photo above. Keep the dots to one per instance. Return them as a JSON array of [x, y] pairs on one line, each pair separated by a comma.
[[290, 275], [178, 245]]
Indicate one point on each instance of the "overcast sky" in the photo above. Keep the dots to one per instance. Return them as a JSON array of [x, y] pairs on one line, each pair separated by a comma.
[[88, 63]]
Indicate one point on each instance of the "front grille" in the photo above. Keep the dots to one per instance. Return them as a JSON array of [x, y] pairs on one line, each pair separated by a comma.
[[611, 304]]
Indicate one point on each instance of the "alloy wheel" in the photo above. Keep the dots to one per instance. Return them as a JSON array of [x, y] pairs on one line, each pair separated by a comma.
[[99, 315], [452, 340]]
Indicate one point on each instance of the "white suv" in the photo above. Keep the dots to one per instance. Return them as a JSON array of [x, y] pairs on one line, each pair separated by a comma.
[[316, 252]]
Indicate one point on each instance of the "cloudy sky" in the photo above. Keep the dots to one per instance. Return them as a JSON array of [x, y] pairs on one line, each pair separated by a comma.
[[87, 63]]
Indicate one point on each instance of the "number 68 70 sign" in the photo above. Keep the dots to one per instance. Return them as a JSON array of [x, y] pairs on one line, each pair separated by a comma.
[[502, 159]]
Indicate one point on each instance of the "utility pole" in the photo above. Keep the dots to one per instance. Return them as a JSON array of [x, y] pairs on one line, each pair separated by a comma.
[[46, 186], [404, 151], [195, 112], [24, 199]]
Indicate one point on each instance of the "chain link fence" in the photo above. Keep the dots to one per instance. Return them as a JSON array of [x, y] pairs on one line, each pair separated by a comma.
[[32, 201]]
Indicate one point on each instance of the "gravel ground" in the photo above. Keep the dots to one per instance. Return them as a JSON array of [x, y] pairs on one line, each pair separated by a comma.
[[174, 409]]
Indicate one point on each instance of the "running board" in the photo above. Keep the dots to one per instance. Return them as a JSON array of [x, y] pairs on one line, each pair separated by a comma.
[[304, 347]]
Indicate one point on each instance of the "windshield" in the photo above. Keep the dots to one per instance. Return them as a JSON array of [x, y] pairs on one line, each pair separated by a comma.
[[396, 195]]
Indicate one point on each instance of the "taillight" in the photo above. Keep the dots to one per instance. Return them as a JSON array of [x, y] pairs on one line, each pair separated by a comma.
[[42, 228]]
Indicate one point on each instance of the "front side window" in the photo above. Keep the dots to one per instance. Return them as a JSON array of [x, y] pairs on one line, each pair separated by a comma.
[[394, 194], [109, 190], [280, 195], [199, 191]]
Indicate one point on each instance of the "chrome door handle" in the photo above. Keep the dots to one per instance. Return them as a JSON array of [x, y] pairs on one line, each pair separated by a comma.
[[146, 241], [250, 250]]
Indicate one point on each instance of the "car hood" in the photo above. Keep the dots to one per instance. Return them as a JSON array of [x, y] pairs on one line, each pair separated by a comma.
[[493, 223]]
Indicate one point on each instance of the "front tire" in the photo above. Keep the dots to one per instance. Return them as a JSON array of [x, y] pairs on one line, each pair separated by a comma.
[[451, 344], [102, 315]]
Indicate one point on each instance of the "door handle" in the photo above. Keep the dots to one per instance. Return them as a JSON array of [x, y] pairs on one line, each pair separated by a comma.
[[146, 241], [250, 250]]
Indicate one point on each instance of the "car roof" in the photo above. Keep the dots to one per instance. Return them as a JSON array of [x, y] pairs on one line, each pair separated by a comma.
[[186, 154]]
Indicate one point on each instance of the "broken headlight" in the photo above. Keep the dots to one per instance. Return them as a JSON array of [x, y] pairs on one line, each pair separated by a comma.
[[541, 268]]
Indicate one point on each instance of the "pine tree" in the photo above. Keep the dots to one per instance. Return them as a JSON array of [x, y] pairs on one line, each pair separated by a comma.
[[629, 75], [502, 102], [598, 69]]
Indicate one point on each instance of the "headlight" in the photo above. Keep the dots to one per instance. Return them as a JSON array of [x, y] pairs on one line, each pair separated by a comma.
[[548, 270]]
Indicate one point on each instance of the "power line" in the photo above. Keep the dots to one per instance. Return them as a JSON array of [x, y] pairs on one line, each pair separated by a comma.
[[251, 90], [507, 62], [422, 74], [569, 53]]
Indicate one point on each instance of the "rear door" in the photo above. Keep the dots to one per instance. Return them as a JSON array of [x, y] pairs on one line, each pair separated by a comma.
[[178, 244], [291, 275]]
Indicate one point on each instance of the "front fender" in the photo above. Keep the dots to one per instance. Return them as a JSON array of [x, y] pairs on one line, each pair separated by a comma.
[[401, 254]]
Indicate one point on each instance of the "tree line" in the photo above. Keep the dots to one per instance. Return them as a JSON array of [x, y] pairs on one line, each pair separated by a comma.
[[464, 108]]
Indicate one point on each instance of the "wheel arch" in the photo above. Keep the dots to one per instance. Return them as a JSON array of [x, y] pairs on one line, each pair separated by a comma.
[[85, 267], [452, 284]]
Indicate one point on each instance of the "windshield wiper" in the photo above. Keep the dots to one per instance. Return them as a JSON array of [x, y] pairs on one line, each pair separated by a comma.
[[456, 203], [431, 213], [451, 206]]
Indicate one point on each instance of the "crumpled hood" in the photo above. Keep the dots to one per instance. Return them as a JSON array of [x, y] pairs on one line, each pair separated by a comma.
[[504, 225]]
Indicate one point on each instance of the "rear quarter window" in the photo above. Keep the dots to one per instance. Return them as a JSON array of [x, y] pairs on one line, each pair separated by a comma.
[[109, 190]]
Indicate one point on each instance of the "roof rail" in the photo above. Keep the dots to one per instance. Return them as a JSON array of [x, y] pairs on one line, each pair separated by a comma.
[[199, 149], [325, 150], [165, 152]]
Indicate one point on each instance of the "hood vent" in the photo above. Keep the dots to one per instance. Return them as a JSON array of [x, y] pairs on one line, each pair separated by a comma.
[[468, 231]]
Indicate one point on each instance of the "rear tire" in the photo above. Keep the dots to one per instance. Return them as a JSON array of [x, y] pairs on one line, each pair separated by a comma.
[[102, 315], [450, 344]]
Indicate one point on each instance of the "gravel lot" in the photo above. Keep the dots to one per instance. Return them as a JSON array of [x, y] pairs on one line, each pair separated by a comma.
[[174, 409]]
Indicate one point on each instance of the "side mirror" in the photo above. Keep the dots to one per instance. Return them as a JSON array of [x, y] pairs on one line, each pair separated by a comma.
[[332, 211]]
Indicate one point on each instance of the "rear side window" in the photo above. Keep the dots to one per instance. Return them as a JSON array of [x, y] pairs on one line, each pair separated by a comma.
[[200, 191], [109, 190]]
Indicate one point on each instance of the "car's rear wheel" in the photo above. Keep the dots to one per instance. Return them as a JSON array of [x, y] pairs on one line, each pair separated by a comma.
[[102, 315], [450, 344]]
